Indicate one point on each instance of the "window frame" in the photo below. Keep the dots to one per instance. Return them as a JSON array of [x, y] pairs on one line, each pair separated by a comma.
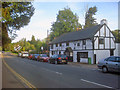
[[84, 42], [101, 40], [67, 43]]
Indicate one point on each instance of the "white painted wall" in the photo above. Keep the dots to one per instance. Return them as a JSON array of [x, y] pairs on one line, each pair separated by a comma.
[[96, 43], [89, 44], [74, 56], [117, 50], [101, 54]]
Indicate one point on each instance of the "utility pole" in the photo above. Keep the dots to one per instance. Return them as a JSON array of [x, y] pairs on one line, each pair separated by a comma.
[[47, 41]]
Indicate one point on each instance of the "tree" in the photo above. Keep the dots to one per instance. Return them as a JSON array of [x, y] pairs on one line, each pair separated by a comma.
[[89, 19], [116, 33], [14, 16], [33, 40], [66, 21]]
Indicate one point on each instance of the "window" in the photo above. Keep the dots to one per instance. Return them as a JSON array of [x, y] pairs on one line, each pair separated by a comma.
[[52, 52], [59, 52], [117, 59], [84, 42], [60, 44], [101, 40], [56, 45], [112, 59], [78, 44], [51, 46], [67, 44], [83, 54]]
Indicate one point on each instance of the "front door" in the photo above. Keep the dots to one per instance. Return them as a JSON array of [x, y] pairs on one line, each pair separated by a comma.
[[94, 58], [111, 52], [78, 56]]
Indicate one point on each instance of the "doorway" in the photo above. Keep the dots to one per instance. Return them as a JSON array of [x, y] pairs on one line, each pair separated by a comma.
[[111, 52]]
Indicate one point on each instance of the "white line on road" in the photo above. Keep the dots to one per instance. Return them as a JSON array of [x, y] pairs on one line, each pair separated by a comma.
[[58, 73], [96, 83], [52, 71]]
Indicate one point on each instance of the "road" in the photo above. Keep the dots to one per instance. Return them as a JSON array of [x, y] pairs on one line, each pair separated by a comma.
[[45, 75]]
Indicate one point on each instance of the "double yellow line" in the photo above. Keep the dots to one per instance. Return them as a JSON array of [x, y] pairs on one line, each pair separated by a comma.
[[19, 76]]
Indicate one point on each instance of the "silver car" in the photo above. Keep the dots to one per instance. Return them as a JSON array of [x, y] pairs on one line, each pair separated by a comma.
[[111, 63]]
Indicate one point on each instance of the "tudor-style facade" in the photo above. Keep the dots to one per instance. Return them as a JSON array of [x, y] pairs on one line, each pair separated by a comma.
[[91, 44]]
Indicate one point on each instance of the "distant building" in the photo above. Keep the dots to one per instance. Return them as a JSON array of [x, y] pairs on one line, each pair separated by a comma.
[[86, 45]]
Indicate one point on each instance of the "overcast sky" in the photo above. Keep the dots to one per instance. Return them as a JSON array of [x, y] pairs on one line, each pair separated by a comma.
[[46, 13]]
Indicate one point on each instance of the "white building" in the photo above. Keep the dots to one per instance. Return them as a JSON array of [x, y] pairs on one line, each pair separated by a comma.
[[91, 44], [117, 50]]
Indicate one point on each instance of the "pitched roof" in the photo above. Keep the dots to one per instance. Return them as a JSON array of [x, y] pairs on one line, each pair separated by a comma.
[[77, 35]]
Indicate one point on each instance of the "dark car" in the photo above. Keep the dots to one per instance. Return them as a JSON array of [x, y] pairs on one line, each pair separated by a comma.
[[34, 57], [111, 63], [43, 58], [56, 59]]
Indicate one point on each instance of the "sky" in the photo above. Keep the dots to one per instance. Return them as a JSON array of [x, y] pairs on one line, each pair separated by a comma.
[[46, 12]]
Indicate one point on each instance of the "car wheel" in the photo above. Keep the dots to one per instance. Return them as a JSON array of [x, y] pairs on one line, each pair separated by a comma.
[[104, 69], [56, 62], [66, 63]]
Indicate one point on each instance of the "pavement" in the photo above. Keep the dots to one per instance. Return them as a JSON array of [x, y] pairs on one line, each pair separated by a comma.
[[0, 71], [94, 66]]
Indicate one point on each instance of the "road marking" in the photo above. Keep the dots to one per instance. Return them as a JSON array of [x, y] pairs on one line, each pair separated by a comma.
[[19, 76], [58, 73], [96, 83], [51, 71]]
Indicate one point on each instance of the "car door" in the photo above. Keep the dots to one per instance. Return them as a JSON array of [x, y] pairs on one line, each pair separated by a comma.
[[112, 64], [118, 64]]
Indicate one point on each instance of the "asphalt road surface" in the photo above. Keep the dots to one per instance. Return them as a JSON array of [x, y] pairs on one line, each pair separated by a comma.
[[45, 75]]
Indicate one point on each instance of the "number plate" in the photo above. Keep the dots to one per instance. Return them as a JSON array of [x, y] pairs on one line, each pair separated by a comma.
[[63, 60]]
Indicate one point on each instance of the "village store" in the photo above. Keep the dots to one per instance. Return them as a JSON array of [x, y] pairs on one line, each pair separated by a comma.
[[87, 45]]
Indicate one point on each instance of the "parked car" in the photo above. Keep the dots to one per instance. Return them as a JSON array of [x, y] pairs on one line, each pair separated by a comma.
[[24, 54], [43, 58], [56, 59], [34, 57], [111, 63], [19, 54], [30, 56]]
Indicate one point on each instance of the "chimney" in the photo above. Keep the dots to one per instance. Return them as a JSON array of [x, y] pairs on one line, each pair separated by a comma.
[[103, 21]]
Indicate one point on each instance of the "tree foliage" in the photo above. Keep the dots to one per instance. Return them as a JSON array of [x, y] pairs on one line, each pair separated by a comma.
[[66, 21], [89, 19], [35, 46], [14, 16], [116, 33]]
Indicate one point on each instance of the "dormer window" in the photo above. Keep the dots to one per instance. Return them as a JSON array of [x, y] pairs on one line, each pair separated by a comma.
[[51, 46], [78, 44], [56, 45], [60, 44], [67, 44]]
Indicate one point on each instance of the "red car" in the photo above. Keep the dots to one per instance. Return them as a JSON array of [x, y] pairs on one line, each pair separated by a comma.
[[43, 58], [30, 56]]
